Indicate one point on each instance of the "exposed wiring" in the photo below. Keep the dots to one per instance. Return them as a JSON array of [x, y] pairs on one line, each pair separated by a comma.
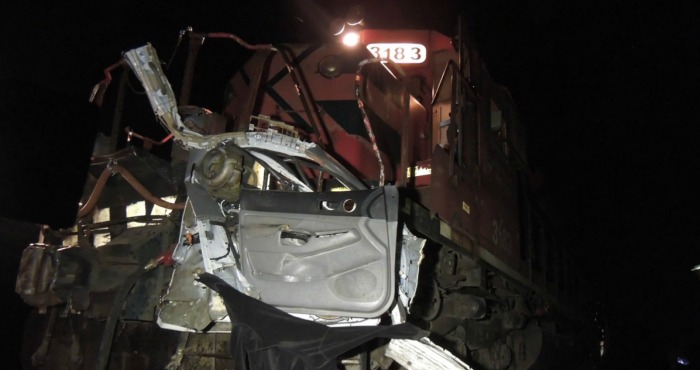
[[182, 34], [164, 259], [147, 142]]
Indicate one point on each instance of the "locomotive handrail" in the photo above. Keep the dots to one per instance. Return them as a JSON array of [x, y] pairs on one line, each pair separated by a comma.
[[403, 161], [131, 179], [519, 161], [304, 93], [365, 118], [465, 81], [196, 39], [98, 92], [452, 64]]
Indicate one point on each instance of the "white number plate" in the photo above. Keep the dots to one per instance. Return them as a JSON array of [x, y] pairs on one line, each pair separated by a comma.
[[399, 52]]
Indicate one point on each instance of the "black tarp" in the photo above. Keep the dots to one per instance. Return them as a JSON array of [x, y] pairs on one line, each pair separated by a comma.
[[264, 337]]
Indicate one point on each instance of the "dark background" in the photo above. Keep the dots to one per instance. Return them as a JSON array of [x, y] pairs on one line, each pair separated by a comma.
[[608, 91]]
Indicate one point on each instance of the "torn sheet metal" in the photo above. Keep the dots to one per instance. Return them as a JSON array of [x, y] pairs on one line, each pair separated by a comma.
[[411, 257], [423, 354]]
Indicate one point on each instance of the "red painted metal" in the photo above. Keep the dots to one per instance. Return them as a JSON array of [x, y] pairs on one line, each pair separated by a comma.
[[461, 177]]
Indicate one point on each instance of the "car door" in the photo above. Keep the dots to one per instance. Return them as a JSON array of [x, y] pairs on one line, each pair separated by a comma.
[[321, 253]]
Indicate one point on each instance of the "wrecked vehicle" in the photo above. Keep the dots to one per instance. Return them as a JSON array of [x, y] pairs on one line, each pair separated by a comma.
[[354, 205]]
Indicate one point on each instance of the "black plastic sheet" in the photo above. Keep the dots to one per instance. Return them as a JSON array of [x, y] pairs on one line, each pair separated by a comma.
[[264, 337]]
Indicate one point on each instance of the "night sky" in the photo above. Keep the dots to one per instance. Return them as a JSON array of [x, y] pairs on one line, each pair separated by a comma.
[[608, 92]]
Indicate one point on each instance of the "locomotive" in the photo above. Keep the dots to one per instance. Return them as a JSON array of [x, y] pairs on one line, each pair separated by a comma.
[[358, 204]]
